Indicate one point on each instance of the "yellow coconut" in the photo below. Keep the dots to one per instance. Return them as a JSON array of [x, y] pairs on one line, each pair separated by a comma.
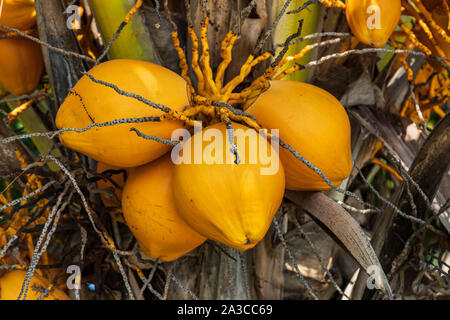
[[224, 201], [21, 65], [149, 211], [19, 14], [11, 284], [315, 124], [91, 102], [373, 21]]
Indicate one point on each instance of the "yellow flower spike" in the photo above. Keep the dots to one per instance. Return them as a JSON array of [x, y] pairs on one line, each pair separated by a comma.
[[255, 86], [50, 287], [109, 240], [201, 100], [235, 96], [21, 108], [414, 39], [225, 44], [195, 67], [183, 64], [174, 115], [249, 95], [271, 71], [430, 37], [205, 62], [191, 112], [439, 111], [297, 57], [138, 270], [287, 72], [383, 165], [245, 71], [423, 25], [133, 10], [3, 200], [408, 70], [226, 54], [378, 147], [33, 182], [402, 58], [19, 157], [430, 103], [447, 9], [30, 245], [430, 20], [249, 122], [333, 3]]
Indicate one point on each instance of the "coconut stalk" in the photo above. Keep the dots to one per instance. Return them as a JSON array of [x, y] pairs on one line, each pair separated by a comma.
[[289, 24], [134, 41]]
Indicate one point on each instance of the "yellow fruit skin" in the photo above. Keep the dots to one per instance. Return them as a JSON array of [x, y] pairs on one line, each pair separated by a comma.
[[19, 14], [11, 284], [315, 124], [21, 65], [230, 203], [116, 145], [357, 18], [119, 179], [150, 213]]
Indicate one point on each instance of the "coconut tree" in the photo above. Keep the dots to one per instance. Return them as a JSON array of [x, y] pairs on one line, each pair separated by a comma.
[[319, 240]]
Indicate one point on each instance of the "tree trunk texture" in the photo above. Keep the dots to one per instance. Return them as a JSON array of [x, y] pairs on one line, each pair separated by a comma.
[[63, 71]]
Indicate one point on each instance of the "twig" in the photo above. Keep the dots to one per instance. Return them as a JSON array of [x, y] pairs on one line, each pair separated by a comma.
[[374, 50], [155, 138], [319, 258], [28, 196], [102, 237], [130, 95], [168, 279], [25, 97], [396, 209], [52, 134], [417, 106], [356, 210], [291, 257], [119, 30], [189, 292], [148, 280], [317, 35], [36, 253], [287, 43], [42, 43], [304, 6], [268, 33]]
